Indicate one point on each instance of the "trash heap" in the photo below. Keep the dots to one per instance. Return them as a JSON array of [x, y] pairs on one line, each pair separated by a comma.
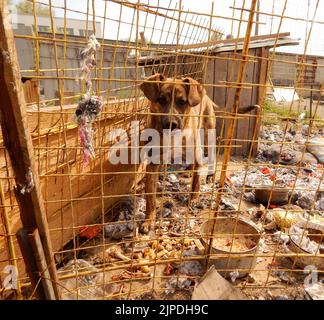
[[136, 254], [304, 186], [172, 257], [131, 216], [290, 163], [286, 185], [292, 148]]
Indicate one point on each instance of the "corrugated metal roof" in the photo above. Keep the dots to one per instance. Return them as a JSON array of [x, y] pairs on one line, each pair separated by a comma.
[[269, 43], [227, 46]]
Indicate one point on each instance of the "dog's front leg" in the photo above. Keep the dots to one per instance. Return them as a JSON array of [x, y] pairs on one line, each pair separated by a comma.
[[195, 187], [150, 189]]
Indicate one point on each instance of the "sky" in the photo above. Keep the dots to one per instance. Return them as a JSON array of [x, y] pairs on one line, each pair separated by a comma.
[[167, 30]]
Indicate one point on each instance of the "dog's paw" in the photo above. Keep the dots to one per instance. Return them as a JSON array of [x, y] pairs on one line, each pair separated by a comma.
[[146, 227]]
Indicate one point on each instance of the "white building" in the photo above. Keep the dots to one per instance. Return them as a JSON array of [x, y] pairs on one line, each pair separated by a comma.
[[74, 27]]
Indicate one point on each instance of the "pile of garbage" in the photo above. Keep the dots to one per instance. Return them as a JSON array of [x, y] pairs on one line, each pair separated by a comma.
[[87, 286], [131, 216], [300, 237], [292, 148], [174, 251], [171, 219], [304, 186], [303, 154]]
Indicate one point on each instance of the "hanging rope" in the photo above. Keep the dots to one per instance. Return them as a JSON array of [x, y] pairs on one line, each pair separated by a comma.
[[90, 106]]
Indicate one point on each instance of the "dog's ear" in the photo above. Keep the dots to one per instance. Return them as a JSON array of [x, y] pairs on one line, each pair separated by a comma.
[[195, 91], [151, 88]]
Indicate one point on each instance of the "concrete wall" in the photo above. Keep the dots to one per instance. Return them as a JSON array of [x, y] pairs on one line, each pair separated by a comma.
[[48, 87], [73, 25], [285, 73]]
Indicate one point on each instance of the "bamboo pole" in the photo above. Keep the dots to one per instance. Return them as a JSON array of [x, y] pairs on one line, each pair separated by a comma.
[[19, 143]]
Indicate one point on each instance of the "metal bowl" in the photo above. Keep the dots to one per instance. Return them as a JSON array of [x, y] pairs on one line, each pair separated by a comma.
[[279, 196], [231, 260], [315, 234]]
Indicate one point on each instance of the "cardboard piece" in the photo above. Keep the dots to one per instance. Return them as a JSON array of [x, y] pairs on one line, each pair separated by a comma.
[[214, 287]]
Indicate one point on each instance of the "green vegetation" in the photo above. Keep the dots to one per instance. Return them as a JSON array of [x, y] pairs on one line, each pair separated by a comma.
[[277, 113], [272, 107]]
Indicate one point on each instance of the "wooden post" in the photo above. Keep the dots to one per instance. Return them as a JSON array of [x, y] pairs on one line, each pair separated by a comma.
[[38, 252], [30, 264], [18, 142]]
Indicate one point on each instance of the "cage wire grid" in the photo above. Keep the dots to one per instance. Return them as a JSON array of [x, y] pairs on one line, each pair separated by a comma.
[[80, 198]]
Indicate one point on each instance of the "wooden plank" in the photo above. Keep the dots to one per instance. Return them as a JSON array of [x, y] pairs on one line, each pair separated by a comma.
[[219, 93], [51, 131], [252, 120], [19, 145], [30, 90], [84, 184], [49, 120], [223, 96], [242, 127], [210, 78], [232, 70], [263, 75]]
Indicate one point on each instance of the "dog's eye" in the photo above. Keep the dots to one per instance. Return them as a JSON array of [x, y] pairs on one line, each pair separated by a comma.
[[162, 100], [181, 102]]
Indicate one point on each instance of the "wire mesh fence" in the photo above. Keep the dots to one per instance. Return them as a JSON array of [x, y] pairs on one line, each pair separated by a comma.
[[96, 76]]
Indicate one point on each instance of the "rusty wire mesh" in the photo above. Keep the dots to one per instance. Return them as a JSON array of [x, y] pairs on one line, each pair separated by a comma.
[[261, 155]]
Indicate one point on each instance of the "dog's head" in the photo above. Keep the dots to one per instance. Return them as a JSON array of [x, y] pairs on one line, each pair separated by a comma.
[[173, 98]]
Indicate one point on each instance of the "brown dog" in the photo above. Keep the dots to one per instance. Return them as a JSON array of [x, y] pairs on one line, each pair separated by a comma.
[[179, 104]]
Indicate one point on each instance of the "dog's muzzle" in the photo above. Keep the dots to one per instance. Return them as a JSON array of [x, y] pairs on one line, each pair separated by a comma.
[[170, 123]]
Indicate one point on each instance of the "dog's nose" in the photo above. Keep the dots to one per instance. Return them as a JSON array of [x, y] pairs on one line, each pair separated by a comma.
[[171, 125]]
